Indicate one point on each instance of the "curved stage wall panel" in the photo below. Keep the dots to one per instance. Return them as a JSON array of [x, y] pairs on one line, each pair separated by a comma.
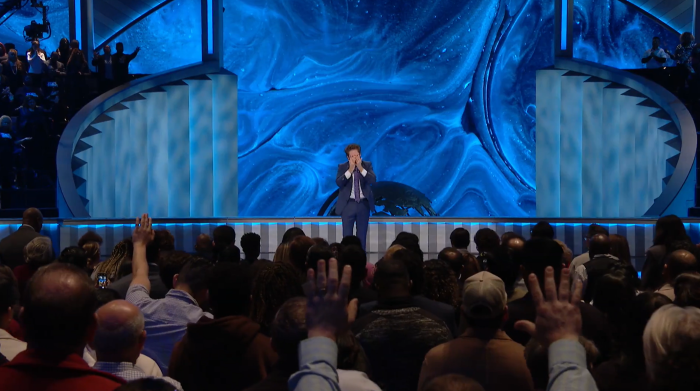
[[434, 232]]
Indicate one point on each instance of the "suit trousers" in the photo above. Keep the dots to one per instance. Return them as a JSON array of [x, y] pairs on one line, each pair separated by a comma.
[[356, 213]]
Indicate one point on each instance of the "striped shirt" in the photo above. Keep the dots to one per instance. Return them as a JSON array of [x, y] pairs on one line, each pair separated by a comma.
[[567, 367], [129, 372]]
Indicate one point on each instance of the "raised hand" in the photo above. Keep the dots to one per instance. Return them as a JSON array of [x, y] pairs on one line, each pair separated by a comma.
[[557, 317], [327, 300], [358, 163], [143, 232], [352, 164]]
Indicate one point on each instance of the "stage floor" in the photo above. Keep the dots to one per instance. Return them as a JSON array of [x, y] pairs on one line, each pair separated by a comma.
[[433, 232]]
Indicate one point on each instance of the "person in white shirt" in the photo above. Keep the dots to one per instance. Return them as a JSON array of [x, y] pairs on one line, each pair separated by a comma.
[[37, 59], [9, 297], [655, 57]]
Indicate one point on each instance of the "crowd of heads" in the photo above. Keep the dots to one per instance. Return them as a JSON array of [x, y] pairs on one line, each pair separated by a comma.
[[651, 324]]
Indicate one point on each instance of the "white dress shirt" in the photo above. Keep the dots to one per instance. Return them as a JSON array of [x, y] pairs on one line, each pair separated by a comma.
[[10, 346], [36, 62], [653, 64], [348, 174]]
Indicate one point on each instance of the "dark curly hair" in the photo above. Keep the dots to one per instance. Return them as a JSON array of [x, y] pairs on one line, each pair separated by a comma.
[[440, 283], [273, 286]]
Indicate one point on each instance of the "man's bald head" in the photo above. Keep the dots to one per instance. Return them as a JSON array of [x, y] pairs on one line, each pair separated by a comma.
[[59, 309], [453, 257], [598, 245], [679, 262], [120, 331], [33, 218], [517, 244]]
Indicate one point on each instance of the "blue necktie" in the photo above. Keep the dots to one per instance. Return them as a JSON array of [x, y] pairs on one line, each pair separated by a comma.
[[356, 184]]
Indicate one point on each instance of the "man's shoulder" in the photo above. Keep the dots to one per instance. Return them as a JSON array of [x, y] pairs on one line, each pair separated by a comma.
[[432, 305]]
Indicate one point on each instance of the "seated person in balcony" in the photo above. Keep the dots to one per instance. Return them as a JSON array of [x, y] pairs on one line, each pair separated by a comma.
[[121, 62], [656, 56], [14, 71]]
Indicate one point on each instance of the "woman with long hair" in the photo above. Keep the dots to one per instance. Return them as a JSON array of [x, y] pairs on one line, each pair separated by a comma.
[[620, 248], [670, 234], [121, 253], [282, 253]]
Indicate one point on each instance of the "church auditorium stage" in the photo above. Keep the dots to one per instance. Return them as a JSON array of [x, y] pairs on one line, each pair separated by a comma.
[[434, 232]]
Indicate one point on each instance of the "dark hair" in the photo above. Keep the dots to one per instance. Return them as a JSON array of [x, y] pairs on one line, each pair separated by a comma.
[[75, 256], [613, 294], [292, 233], [404, 236], [147, 384], [106, 295], [501, 264], [598, 244], [413, 265], [350, 147], [542, 230], [640, 311], [196, 274], [230, 254], [454, 259], [677, 265], [229, 290], [391, 271], [670, 229], [250, 243], [356, 257], [440, 283], [58, 319], [298, 250], [486, 239], [288, 328], [410, 242], [171, 263], [686, 287], [620, 248], [318, 252], [90, 236], [539, 253], [223, 236], [165, 240], [272, 287], [322, 241], [336, 248], [460, 238], [9, 288], [351, 240], [351, 356], [595, 229]]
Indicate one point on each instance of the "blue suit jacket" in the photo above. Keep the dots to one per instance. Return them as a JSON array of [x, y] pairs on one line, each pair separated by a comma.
[[345, 185]]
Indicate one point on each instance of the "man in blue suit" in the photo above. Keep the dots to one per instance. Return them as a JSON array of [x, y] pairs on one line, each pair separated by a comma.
[[355, 199]]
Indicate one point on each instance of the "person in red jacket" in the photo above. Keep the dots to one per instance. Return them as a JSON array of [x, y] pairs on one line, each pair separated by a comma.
[[58, 319]]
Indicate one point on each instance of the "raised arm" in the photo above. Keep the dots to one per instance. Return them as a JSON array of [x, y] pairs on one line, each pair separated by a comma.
[[143, 234]]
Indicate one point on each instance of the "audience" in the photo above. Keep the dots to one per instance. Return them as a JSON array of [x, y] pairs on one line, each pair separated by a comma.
[[538, 255], [273, 286], [292, 233], [414, 267], [542, 230], [686, 289], [166, 318], [12, 246], [460, 239], [58, 319], [406, 317], [119, 339], [9, 298], [672, 348], [593, 230], [670, 232], [396, 334], [227, 352], [203, 247], [483, 344]]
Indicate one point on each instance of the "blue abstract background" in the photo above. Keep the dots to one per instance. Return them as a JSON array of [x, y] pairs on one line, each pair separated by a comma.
[[440, 94]]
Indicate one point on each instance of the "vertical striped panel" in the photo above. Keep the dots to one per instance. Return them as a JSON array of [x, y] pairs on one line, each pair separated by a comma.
[[158, 162], [201, 148], [178, 150], [570, 159], [225, 139], [629, 114], [102, 201], [548, 99], [610, 156], [592, 143], [122, 166], [644, 149], [139, 157]]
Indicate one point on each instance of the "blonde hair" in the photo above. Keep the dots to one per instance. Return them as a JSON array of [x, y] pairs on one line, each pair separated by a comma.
[[671, 332], [282, 253], [391, 250]]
